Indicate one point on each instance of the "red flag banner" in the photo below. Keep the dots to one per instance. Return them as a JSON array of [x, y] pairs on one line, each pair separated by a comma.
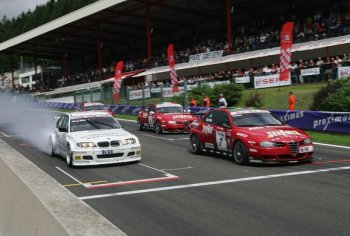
[[286, 49], [117, 80], [173, 75]]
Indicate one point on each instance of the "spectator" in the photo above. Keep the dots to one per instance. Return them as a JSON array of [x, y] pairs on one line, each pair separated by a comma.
[[193, 102], [222, 101], [291, 101], [206, 101]]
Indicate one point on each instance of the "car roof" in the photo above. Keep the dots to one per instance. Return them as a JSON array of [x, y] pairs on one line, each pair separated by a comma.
[[87, 104], [168, 104], [244, 110], [88, 114]]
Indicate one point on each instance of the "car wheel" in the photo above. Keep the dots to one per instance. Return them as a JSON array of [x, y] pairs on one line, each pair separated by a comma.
[[195, 144], [240, 153], [53, 154], [139, 125], [69, 157], [158, 128]]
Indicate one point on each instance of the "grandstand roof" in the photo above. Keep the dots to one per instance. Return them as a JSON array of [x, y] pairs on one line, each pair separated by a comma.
[[121, 24]]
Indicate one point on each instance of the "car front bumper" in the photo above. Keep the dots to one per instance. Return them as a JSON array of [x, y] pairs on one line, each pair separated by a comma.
[[281, 154], [111, 155]]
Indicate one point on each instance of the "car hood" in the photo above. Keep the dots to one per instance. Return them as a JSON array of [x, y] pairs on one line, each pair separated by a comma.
[[176, 116], [273, 133], [100, 135]]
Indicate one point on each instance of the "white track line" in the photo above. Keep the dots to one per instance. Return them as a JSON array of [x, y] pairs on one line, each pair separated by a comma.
[[215, 182], [70, 176], [152, 136], [332, 145]]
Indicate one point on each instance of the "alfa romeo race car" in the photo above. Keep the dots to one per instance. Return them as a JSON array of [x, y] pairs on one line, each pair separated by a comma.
[[166, 116], [93, 138], [249, 135], [93, 106]]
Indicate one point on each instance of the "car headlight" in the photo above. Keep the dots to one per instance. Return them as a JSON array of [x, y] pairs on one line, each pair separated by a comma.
[[267, 144], [128, 141], [86, 145], [307, 141], [173, 122]]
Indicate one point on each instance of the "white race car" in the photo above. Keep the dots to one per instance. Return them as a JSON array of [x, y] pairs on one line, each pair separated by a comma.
[[93, 138]]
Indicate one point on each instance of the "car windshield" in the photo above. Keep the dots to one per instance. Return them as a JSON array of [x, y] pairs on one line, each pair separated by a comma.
[[93, 123], [95, 107], [254, 119], [172, 109]]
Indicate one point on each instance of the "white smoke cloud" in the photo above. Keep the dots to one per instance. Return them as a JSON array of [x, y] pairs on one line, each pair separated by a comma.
[[20, 117]]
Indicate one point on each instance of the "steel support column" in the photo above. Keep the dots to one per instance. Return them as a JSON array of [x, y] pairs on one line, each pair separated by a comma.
[[99, 57], [149, 30], [13, 75], [229, 26]]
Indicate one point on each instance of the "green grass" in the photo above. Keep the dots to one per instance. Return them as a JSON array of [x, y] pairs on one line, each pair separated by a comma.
[[330, 138], [277, 98]]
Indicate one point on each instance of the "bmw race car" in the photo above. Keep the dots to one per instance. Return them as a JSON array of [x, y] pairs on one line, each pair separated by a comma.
[[167, 116], [93, 138], [249, 135]]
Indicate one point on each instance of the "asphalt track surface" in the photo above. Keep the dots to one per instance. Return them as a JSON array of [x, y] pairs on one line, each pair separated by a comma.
[[173, 192]]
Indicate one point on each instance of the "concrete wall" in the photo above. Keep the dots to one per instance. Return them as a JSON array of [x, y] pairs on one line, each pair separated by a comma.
[[34, 204]]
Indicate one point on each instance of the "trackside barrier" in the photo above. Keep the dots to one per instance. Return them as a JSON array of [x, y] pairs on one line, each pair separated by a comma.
[[310, 120], [33, 204]]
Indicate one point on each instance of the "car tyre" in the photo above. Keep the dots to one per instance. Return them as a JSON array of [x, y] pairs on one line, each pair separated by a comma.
[[139, 125], [240, 153], [195, 144], [69, 157], [158, 128], [53, 154]]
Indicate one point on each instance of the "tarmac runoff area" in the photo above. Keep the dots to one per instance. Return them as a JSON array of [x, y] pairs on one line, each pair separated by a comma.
[[33, 203]]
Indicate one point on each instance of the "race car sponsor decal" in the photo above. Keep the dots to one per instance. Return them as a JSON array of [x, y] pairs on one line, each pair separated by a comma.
[[253, 150], [242, 135], [277, 133], [207, 129], [221, 140], [208, 145], [182, 116], [195, 123]]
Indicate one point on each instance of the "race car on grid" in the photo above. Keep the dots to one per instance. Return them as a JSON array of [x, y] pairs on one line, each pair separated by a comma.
[[93, 106], [93, 138], [249, 135], [167, 116]]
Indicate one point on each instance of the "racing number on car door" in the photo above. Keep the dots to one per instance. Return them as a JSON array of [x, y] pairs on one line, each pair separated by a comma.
[[222, 126]]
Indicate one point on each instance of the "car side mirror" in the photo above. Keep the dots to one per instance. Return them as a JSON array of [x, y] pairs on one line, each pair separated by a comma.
[[63, 129], [225, 125]]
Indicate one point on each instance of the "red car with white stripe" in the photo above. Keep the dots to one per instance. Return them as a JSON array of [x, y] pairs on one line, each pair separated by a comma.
[[164, 117], [249, 135]]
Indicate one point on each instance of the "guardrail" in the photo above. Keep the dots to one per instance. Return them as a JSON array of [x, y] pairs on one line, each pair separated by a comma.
[[310, 120]]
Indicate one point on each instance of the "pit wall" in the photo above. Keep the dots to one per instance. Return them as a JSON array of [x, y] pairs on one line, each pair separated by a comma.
[[34, 204]]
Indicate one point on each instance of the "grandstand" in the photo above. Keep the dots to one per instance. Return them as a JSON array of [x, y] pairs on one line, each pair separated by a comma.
[[195, 27]]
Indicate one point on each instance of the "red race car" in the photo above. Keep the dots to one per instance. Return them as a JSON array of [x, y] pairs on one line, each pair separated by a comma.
[[93, 106], [167, 116], [249, 135]]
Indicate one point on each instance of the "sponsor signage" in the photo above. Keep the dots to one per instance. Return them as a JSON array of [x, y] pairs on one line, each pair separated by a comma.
[[242, 80], [343, 72], [268, 81], [139, 94], [315, 120], [206, 55], [310, 71]]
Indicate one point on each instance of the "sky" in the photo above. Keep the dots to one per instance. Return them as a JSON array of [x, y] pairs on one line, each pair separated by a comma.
[[13, 8]]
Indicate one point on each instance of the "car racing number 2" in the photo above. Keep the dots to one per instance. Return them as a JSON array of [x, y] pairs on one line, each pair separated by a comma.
[[221, 141]]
